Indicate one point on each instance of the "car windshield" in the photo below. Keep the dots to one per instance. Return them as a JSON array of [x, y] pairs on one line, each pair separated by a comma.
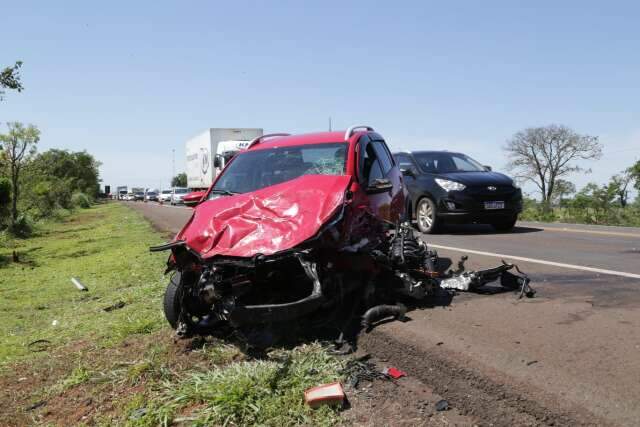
[[182, 190], [438, 162], [166, 191], [253, 170], [151, 193]]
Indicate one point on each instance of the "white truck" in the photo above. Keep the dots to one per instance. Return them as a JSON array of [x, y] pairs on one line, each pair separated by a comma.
[[209, 151]]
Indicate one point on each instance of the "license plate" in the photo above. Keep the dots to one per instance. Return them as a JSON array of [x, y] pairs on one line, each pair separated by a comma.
[[494, 205]]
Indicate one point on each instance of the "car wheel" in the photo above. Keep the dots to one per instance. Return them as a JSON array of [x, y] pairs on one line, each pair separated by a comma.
[[426, 216], [505, 224], [172, 300]]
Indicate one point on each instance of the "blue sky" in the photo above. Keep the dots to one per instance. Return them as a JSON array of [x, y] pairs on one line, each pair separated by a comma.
[[131, 81]]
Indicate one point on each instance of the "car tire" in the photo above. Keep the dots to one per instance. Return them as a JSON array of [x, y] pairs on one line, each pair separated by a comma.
[[505, 225], [172, 300], [427, 216]]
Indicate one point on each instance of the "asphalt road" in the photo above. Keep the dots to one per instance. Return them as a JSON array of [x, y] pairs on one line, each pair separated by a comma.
[[575, 348]]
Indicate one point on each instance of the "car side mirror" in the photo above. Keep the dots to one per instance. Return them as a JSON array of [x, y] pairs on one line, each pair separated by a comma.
[[379, 186], [487, 168], [408, 172], [216, 161]]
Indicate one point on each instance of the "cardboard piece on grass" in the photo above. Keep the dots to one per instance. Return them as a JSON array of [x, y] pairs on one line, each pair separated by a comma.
[[326, 394]]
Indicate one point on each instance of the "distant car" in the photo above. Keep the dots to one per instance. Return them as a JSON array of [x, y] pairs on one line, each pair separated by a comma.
[[178, 194], [193, 198], [165, 196], [129, 197], [138, 196], [447, 187], [151, 196]]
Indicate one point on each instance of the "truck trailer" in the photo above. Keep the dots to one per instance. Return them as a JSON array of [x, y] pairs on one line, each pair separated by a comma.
[[209, 151]]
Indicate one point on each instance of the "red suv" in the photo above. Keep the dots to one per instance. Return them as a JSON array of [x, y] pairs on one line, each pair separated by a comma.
[[285, 230]]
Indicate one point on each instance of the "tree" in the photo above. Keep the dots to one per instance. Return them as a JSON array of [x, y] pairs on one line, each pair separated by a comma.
[[543, 155], [619, 184], [179, 180], [562, 189], [634, 171], [10, 79], [18, 147]]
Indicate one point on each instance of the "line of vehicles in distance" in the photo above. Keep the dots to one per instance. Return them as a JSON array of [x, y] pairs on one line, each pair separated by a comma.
[[173, 196], [442, 186]]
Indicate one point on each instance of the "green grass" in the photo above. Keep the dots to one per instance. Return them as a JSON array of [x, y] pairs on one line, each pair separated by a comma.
[[258, 392], [106, 247]]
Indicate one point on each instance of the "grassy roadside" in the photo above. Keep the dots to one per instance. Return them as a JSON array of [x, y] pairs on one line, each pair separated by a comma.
[[122, 366]]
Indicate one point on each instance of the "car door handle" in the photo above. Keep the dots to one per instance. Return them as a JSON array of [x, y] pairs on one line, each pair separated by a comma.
[[380, 185]]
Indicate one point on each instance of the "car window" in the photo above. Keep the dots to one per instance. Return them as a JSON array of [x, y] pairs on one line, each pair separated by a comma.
[[386, 163], [371, 165], [440, 162], [253, 170], [404, 162]]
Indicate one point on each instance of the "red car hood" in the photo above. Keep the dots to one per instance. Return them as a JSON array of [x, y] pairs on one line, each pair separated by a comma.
[[265, 221]]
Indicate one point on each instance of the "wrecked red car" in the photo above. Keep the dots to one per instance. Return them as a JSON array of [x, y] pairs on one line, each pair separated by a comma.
[[302, 226]]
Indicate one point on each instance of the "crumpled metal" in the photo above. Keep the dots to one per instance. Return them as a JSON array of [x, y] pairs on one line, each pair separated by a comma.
[[265, 221]]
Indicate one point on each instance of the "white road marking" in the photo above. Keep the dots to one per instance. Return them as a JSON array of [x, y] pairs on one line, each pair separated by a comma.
[[541, 261], [582, 230]]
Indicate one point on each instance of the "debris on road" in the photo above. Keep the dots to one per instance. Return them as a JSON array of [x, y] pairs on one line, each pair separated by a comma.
[[394, 373], [79, 285], [326, 394], [361, 369], [380, 312], [116, 306], [442, 405]]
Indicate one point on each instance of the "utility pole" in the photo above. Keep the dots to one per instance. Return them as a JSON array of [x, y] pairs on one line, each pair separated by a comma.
[[329, 123], [173, 167]]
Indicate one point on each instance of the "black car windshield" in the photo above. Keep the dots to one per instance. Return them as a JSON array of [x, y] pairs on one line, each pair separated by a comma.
[[253, 170], [439, 162]]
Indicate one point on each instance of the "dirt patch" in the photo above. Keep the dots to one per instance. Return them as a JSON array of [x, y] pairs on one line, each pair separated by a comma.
[[471, 394]]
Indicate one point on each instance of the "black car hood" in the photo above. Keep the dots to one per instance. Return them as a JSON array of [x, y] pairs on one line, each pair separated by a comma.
[[477, 178]]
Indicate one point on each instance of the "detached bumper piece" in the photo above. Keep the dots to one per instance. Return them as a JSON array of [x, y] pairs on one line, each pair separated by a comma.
[[474, 280]]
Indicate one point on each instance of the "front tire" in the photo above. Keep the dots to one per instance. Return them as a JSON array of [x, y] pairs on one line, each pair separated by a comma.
[[427, 216], [173, 300], [505, 225]]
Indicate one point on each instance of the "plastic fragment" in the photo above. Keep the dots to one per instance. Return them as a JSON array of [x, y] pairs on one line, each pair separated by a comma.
[[394, 373], [326, 394], [442, 405]]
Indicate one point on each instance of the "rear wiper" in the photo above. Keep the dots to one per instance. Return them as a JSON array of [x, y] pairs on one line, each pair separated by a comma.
[[223, 192]]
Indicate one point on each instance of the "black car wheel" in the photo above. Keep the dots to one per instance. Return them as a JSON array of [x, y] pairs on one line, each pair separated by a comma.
[[172, 300], [505, 225], [426, 216]]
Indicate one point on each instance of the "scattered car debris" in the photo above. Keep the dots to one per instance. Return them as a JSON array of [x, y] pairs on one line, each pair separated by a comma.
[[379, 312], [116, 306], [78, 284], [36, 405], [39, 345], [394, 373], [532, 362], [361, 369], [55, 323], [326, 394], [442, 405]]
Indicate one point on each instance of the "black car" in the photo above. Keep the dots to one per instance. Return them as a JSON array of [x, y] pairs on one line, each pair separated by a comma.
[[447, 187]]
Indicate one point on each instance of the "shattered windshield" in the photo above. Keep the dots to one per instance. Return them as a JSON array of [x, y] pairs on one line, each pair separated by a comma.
[[253, 170]]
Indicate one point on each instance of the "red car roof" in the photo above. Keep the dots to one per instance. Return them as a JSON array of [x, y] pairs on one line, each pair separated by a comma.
[[303, 139]]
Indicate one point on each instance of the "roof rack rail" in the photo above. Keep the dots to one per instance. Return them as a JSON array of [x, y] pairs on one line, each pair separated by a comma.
[[352, 129], [259, 139]]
